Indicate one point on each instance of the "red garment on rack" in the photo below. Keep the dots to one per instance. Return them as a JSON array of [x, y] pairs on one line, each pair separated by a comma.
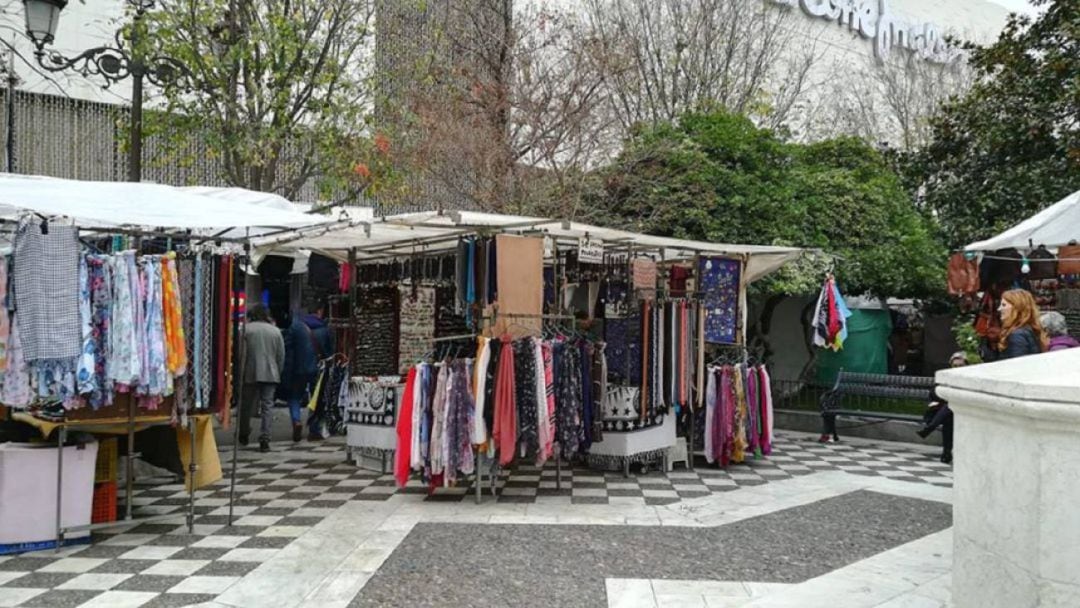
[[505, 432], [345, 282], [403, 453]]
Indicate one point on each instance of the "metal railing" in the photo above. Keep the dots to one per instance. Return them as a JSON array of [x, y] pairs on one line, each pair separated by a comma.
[[797, 395]]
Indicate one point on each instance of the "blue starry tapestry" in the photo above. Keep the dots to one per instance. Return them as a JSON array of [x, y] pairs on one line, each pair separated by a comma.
[[720, 295]]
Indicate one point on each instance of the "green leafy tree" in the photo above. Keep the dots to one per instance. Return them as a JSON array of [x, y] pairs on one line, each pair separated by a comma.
[[279, 93], [717, 177], [1011, 146]]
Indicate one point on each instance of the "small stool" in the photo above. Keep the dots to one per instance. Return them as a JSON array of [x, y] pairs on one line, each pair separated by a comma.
[[676, 453]]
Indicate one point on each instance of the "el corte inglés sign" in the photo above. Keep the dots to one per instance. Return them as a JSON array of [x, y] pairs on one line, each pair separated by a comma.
[[873, 20]]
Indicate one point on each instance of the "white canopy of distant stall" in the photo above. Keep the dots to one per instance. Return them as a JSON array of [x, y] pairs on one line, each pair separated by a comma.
[[130, 204], [409, 233], [1054, 226]]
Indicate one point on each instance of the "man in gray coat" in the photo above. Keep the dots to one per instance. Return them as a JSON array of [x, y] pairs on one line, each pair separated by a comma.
[[265, 359]]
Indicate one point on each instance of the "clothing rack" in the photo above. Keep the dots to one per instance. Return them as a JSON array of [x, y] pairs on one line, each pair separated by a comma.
[[130, 421]]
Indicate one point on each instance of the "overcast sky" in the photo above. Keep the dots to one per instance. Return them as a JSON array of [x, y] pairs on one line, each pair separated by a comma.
[[1016, 5]]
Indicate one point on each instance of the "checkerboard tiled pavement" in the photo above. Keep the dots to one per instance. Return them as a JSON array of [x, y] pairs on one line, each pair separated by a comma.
[[283, 494]]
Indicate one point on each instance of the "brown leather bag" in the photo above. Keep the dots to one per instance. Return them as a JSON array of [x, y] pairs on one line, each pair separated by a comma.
[[1069, 259], [963, 275]]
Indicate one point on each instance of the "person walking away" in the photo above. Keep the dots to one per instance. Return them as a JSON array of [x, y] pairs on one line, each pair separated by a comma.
[[315, 319], [939, 415], [1022, 332], [1058, 331], [264, 361], [301, 369], [323, 340]]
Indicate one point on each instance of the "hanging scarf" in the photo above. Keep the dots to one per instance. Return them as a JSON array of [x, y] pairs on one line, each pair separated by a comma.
[[549, 396], [753, 411], [155, 380], [436, 454], [175, 344], [483, 359], [741, 444], [403, 453], [568, 400], [766, 411], [527, 398], [5, 323], [416, 413], [460, 420], [711, 420], [505, 429], [125, 363], [101, 297], [16, 391], [588, 406], [46, 276], [543, 420]]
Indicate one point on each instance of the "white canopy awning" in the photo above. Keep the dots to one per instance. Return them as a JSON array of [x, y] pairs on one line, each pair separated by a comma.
[[117, 204], [432, 231], [1054, 226]]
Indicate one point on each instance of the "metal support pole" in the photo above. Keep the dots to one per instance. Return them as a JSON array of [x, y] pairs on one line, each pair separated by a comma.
[[558, 471], [479, 476], [193, 467], [240, 385], [129, 473], [12, 81], [354, 331], [60, 436], [135, 147]]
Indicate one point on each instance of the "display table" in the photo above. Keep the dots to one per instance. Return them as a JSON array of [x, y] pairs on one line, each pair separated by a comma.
[[370, 419], [628, 439], [197, 440], [1015, 526]]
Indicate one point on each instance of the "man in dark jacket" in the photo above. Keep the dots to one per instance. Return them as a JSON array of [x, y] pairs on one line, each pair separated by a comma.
[[324, 338], [301, 368], [264, 360]]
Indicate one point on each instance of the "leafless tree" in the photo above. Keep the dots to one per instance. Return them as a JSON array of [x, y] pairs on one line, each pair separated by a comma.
[[889, 103], [665, 57], [504, 112]]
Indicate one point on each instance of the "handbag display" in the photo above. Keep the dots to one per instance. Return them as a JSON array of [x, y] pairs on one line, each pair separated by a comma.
[[963, 275], [1069, 259], [1043, 264]]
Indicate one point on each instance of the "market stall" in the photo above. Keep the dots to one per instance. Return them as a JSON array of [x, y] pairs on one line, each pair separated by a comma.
[[613, 338], [123, 314], [1040, 254]]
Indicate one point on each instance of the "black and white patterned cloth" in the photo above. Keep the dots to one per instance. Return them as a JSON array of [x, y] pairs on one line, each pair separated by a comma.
[[46, 281]]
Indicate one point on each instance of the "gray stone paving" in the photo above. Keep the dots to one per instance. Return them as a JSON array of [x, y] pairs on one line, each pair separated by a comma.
[[563, 565]]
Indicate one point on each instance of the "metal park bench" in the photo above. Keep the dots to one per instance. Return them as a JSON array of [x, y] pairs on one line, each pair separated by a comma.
[[917, 388]]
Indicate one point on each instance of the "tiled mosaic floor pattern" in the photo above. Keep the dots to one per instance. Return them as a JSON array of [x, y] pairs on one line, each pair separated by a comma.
[[281, 495]]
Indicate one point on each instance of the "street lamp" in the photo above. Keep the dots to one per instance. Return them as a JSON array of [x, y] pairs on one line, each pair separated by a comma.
[[112, 63]]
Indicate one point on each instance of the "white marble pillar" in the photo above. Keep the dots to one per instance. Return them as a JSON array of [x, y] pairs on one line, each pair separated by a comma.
[[1016, 504]]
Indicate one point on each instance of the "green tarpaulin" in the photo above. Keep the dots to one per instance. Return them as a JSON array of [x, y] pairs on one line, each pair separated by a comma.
[[866, 349]]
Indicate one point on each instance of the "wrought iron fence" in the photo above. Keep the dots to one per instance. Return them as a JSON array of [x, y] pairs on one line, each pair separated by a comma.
[[797, 395]]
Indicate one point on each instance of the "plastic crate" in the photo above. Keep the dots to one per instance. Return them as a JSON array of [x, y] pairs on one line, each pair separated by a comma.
[[107, 457], [103, 508]]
